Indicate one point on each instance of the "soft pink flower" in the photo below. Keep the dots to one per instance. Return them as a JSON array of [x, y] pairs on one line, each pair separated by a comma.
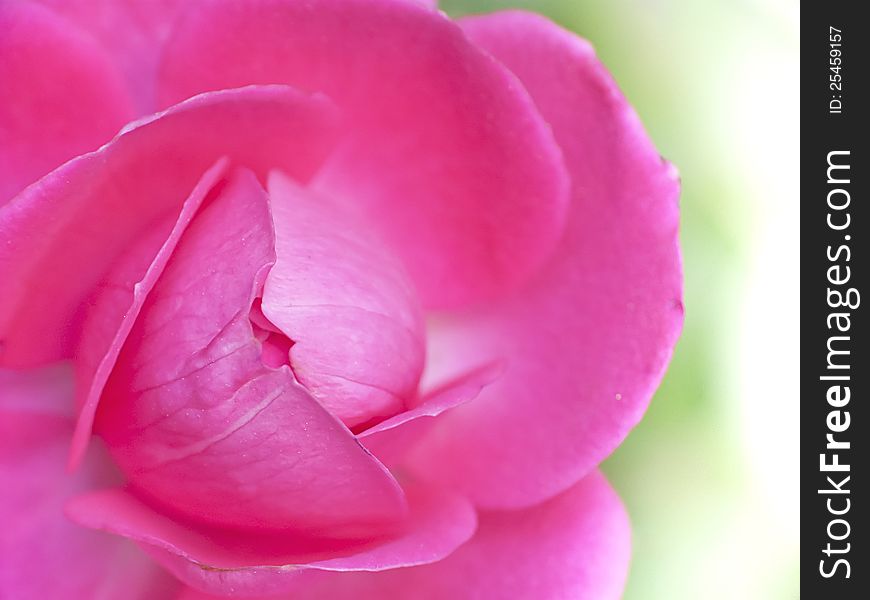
[[354, 312]]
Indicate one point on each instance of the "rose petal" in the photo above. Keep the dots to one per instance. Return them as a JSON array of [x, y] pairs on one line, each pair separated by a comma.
[[131, 31], [588, 340], [44, 554], [390, 440], [347, 304], [64, 233], [446, 152], [575, 546], [201, 425], [224, 562], [61, 96], [118, 302]]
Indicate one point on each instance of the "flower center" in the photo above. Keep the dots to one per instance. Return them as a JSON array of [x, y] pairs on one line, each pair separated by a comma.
[[347, 305], [276, 316], [276, 346]]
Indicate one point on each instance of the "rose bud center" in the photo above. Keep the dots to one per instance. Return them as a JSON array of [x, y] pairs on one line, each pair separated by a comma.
[[279, 323]]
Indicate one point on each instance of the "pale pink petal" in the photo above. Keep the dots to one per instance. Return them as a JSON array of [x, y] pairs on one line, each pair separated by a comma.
[[587, 341], [199, 423], [446, 154], [61, 96], [131, 31], [236, 563], [62, 234], [43, 554], [575, 546], [390, 440], [347, 304], [117, 302]]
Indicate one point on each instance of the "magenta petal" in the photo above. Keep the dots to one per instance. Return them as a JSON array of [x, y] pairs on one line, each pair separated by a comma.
[[118, 302], [201, 425], [225, 562], [390, 440], [64, 233], [44, 555], [446, 152], [131, 31], [347, 304], [575, 546], [587, 341], [61, 96]]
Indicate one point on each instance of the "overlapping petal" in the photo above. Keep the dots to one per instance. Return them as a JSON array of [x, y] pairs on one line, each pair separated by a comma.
[[61, 96], [587, 340], [446, 152], [346, 303], [390, 440], [115, 305], [238, 564], [201, 425], [63, 234], [131, 32], [575, 546]]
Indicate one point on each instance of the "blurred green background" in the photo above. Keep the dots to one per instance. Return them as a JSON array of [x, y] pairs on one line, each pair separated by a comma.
[[710, 476]]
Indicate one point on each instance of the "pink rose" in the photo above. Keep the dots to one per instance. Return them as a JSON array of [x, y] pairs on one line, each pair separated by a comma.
[[355, 315]]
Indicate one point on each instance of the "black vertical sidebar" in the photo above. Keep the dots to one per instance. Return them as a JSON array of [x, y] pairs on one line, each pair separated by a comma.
[[835, 300]]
